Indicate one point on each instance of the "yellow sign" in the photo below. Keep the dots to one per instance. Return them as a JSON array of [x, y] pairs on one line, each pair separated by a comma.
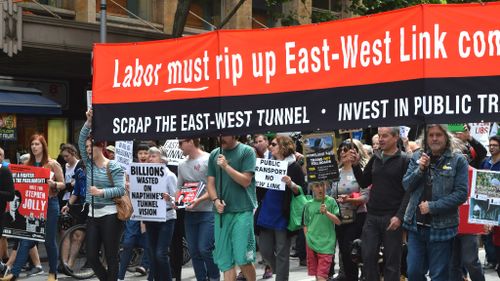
[[8, 127]]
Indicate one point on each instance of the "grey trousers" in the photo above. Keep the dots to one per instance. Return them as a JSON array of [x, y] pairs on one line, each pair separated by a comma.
[[274, 247]]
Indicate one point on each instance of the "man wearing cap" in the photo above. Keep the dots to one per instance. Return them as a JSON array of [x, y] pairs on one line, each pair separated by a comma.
[[111, 152], [437, 180]]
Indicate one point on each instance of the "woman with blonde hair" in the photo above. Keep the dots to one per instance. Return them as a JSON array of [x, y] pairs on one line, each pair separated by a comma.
[[160, 233]]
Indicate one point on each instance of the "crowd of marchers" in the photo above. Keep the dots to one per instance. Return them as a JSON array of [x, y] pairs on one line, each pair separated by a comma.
[[399, 208]]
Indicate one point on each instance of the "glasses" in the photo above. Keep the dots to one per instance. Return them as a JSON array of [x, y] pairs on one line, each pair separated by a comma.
[[273, 144], [493, 145]]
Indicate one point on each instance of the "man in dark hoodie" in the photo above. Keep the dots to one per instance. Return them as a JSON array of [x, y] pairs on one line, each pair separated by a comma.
[[386, 206], [6, 190]]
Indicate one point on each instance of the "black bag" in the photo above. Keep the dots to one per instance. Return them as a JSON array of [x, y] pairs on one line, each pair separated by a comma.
[[347, 214], [79, 212]]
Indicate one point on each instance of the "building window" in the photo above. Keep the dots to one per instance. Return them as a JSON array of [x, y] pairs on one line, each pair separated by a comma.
[[329, 5], [207, 10]]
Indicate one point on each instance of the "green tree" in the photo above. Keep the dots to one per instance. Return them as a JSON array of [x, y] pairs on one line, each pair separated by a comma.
[[367, 7]]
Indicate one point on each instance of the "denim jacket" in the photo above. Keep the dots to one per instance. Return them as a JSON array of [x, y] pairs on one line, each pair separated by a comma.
[[449, 189]]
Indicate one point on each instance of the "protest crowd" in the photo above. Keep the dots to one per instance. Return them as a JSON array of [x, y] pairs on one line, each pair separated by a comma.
[[393, 207]]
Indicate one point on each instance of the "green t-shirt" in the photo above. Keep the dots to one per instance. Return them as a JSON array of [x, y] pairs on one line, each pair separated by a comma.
[[320, 235], [238, 199]]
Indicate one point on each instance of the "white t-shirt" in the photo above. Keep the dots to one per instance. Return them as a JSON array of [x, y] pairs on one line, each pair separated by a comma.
[[195, 170], [68, 176]]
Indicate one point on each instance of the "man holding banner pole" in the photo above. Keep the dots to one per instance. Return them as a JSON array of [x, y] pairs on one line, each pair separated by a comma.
[[234, 165]]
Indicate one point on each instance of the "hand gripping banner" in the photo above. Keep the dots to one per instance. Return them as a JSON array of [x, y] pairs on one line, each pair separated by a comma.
[[424, 64]]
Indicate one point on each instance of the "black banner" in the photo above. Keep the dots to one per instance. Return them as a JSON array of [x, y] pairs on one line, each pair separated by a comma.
[[444, 100]]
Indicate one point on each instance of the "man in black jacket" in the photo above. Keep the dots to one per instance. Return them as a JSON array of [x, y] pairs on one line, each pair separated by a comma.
[[6, 190], [386, 206]]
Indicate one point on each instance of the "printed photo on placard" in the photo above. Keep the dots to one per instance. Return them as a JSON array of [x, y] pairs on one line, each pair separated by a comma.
[[485, 198], [25, 216], [188, 192]]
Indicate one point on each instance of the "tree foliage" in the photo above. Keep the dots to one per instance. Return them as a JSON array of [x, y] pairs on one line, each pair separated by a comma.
[[367, 7]]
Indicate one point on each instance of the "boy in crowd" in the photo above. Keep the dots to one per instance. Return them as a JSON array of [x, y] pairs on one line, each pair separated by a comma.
[[320, 217]]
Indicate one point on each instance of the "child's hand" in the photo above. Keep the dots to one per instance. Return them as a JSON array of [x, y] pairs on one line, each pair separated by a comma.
[[322, 209]]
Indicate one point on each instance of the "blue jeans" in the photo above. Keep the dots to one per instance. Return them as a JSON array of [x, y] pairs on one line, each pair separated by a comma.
[[200, 237], [465, 254], [132, 237], [50, 241], [159, 238], [424, 256]]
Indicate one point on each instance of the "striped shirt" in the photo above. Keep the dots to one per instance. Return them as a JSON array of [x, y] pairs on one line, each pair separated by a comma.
[[102, 205]]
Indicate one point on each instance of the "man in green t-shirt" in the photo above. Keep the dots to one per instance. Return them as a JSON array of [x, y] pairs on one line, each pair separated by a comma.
[[231, 187]]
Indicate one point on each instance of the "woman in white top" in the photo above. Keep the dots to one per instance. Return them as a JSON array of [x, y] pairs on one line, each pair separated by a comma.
[[352, 202], [160, 233]]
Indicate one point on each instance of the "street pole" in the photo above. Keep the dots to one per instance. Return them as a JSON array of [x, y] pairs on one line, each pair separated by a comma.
[[103, 21], [102, 32]]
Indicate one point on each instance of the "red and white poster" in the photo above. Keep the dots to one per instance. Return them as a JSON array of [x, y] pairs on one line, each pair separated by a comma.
[[26, 216], [188, 192], [423, 64]]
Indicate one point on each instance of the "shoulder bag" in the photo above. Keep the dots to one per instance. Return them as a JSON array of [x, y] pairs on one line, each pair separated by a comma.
[[124, 207]]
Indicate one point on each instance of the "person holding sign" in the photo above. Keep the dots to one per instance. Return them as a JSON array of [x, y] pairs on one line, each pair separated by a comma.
[[160, 233], [103, 225], [320, 218], [231, 187], [465, 252], [492, 163], [39, 157], [437, 180], [199, 218], [274, 238]]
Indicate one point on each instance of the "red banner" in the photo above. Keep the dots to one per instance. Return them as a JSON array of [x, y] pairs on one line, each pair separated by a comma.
[[26, 216], [353, 69]]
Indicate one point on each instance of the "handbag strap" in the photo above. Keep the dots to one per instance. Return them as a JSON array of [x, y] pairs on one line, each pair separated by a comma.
[[108, 172]]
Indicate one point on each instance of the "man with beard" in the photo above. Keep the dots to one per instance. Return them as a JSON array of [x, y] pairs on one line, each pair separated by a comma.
[[437, 179]]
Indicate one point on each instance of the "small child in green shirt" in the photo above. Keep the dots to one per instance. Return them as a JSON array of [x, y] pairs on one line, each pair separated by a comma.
[[320, 217]]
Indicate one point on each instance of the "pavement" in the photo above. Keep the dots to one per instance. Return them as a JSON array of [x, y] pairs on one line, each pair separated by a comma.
[[297, 272]]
